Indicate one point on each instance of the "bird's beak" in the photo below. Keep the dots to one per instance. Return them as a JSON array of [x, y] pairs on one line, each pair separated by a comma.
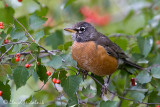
[[70, 30]]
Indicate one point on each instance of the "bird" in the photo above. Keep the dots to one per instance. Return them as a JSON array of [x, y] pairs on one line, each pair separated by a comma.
[[96, 53]]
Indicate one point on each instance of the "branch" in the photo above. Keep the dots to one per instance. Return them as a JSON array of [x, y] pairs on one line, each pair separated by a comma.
[[6, 52], [14, 43]]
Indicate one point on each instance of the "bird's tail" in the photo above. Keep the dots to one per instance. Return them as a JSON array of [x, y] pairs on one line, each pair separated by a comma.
[[133, 64]]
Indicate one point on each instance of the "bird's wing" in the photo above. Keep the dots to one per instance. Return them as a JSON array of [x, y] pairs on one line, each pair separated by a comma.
[[111, 48]]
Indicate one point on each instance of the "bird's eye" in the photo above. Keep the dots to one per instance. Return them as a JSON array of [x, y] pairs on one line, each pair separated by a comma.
[[82, 29]]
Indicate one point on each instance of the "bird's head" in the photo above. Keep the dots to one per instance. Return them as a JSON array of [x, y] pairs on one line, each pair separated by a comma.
[[82, 32]]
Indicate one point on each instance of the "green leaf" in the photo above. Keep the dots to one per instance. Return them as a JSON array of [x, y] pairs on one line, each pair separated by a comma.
[[129, 16], [89, 93], [2, 37], [137, 96], [34, 48], [55, 39], [38, 36], [70, 85], [144, 77], [20, 76], [36, 22], [72, 102], [17, 48], [56, 62], [68, 60], [108, 104], [17, 33], [59, 74], [155, 71], [122, 43], [6, 15], [6, 89], [69, 2], [145, 44], [99, 87], [41, 71], [154, 97]]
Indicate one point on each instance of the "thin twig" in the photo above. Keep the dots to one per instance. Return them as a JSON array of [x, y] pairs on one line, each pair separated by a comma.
[[6, 52], [14, 43]]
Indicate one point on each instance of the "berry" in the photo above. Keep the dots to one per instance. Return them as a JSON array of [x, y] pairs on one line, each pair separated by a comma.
[[30, 64], [19, 0], [26, 65], [33, 40], [18, 55], [22, 59], [1, 93], [156, 8], [158, 42], [1, 23], [6, 41], [37, 63], [6, 5], [48, 73], [1, 27], [133, 82], [58, 81], [54, 80], [17, 59]]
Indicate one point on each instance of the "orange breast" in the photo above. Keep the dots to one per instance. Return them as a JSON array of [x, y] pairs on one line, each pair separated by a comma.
[[93, 58]]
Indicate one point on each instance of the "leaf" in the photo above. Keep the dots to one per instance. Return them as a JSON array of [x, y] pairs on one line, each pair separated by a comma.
[[34, 48], [6, 89], [108, 104], [100, 79], [145, 44], [38, 36], [137, 96], [2, 37], [60, 74], [36, 22], [122, 43], [153, 97], [144, 77], [56, 62], [69, 2], [55, 39], [20, 76], [17, 48], [41, 71], [70, 85], [129, 16], [72, 102], [68, 60], [89, 93], [155, 71], [18, 34]]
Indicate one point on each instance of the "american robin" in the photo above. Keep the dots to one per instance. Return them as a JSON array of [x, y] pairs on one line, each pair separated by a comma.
[[95, 52]]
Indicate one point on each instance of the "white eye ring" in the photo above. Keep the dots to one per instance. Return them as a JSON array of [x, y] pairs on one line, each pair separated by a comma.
[[82, 29]]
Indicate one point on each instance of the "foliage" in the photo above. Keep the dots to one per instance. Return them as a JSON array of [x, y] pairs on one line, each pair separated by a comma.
[[34, 28]]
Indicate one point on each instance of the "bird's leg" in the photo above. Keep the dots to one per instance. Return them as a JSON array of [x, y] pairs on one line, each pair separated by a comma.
[[84, 73]]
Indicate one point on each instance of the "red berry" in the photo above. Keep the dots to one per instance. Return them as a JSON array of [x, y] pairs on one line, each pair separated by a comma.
[[1, 93], [19, 0], [18, 55], [133, 82], [6, 5], [33, 40], [54, 80], [1, 27], [1, 23], [48, 73], [22, 59], [17, 59], [58, 81], [6, 41], [37, 63], [26, 65], [156, 8]]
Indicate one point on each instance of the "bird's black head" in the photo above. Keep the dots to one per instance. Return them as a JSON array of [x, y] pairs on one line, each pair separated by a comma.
[[82, 32]]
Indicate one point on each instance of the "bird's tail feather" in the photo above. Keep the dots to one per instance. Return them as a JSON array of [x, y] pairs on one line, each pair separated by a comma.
[[133, 64]]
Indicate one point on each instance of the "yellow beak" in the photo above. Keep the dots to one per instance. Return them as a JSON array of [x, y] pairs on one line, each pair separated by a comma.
[[70, 30]]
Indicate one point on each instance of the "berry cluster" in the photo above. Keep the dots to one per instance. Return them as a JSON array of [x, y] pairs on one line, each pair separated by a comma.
[[18, 55], [57, 81], [1, 25], [92, 15]]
